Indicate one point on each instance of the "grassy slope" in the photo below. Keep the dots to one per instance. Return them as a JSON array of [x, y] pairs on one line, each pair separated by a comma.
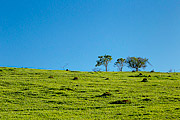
[[31, 94]]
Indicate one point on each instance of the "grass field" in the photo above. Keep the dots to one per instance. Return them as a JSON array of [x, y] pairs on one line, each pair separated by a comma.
[[54, 94]]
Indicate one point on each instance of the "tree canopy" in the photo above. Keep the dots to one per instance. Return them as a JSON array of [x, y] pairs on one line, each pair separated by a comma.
[[137, 63], [104, 60], [120, 63]]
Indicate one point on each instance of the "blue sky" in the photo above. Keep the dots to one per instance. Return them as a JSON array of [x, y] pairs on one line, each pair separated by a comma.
[[49, 34]]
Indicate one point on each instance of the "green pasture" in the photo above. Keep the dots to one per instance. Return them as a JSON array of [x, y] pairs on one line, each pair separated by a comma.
[[34, 94]]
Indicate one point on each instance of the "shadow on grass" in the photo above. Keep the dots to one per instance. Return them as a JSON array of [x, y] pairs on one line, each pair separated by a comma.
[[138, 76], [104, 94], [121, 102]]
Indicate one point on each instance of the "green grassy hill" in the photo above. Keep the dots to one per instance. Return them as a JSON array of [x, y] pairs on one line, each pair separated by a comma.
[[54, 94]]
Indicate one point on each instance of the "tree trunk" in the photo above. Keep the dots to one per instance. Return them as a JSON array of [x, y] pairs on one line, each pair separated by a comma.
[[121, 69], [106, 66], [137, 69]]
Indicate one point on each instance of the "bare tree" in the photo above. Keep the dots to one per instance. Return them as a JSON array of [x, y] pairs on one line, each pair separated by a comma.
[[65, 66]]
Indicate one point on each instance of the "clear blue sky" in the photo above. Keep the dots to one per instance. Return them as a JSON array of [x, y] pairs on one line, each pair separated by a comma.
[[49, 34]]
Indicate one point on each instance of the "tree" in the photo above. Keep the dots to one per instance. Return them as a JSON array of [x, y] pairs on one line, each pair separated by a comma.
[[120, 63], [137, 63], [104, 60]]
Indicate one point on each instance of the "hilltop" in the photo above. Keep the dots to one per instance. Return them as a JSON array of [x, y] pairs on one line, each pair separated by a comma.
[[57, 94]]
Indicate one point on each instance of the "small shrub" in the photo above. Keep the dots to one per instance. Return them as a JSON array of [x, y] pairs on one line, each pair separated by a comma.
[[140, 73], [106, 94], [147, 99], [152, 71], [144, 80], [67, 69], [107, 79], [133, 71], [50, 76], [119, 114], [141, 107], [11, 69], [75, 78], [149, 76]]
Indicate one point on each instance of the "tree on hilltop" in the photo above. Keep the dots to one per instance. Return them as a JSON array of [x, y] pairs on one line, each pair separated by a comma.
[[104, 60], [137, 63], [120, 63]]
